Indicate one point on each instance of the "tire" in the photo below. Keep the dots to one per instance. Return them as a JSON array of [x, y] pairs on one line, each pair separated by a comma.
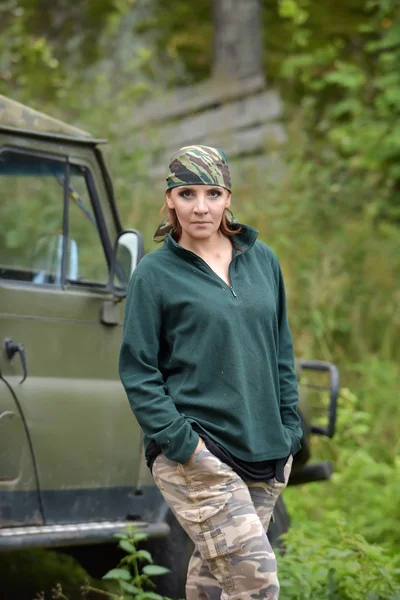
[[95, 559], [173, 552], [280, 525]]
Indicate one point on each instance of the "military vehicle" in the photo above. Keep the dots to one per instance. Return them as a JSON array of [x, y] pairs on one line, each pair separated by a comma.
[[72, 469]]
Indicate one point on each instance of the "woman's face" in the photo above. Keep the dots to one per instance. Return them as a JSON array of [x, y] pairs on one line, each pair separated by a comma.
[[199, 209]]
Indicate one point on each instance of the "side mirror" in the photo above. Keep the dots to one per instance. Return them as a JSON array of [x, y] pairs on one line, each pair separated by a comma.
[[128, 250]]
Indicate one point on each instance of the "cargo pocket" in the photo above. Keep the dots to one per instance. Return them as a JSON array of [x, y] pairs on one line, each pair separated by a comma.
[[205, 473], [212, 528]]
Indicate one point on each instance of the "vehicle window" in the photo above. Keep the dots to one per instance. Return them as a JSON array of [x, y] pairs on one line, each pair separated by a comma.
[[31, 216], [84, 244]]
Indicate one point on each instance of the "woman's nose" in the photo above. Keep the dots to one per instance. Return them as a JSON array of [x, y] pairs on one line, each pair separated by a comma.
[[201, 204]]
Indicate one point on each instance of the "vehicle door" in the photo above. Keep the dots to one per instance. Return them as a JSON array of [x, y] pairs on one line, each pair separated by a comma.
[[19, 490], [60, 353]]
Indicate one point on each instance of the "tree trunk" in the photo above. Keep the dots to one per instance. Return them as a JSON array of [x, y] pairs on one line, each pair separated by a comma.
[[237, 38]]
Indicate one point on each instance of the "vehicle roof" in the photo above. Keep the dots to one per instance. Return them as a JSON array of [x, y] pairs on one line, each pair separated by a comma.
[[18, 118]]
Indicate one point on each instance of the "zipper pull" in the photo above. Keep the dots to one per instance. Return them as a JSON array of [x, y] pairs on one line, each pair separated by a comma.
[[233, 292]]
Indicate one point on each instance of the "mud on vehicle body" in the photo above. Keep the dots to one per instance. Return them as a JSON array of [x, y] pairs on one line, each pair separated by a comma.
[[72, 470]]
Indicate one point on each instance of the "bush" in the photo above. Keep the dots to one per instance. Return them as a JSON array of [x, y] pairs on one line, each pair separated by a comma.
[[326, 562], [344, 541]]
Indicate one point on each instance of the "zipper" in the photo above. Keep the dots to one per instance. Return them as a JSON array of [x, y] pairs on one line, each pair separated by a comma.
[[230, 277], [232, 291], [214, 273]]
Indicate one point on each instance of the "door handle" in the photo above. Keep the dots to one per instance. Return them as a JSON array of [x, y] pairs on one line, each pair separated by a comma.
[[13, 348]]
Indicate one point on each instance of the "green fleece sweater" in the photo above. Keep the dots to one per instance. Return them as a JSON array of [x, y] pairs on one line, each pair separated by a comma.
[[195, 350]]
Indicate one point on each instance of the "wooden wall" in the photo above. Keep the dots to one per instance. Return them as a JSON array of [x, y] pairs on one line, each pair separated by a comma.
[[243, 118]]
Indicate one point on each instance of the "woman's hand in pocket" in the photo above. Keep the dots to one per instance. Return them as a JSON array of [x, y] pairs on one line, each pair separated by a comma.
[[199, 446]]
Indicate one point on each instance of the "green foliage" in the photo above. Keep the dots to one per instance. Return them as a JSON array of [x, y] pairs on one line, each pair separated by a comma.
[[74, 54], [326, 562], [344, 540], [128, 574], [350, 91], [23, 53], [182, 37], [342, 266], [130, 580], [24, 572], [42, 44]]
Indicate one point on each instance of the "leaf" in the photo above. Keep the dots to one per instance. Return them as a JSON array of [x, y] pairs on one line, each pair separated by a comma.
[[139, 537], [149, 596], [145, 555], [154, 570], [129, 587], [118, 574], [127, 546]]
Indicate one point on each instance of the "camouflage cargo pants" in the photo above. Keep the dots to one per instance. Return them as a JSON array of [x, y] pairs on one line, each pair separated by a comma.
[[227, 520]]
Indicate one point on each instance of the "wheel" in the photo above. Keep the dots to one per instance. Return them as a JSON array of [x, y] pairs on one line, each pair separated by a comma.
[[173, 552], [95, 559], [280, 525]]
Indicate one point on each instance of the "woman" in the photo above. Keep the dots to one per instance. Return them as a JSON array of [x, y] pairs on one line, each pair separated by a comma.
[[207, 364]]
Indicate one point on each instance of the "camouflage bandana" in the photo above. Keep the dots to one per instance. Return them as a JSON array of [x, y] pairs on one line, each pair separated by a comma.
[[199, 165], [195, 165]]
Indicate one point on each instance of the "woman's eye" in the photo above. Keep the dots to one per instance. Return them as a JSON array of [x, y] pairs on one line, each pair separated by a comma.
[[186, 194], [214, 194]]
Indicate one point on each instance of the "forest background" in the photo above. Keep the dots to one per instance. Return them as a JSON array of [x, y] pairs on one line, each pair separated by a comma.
[[333, 218]]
